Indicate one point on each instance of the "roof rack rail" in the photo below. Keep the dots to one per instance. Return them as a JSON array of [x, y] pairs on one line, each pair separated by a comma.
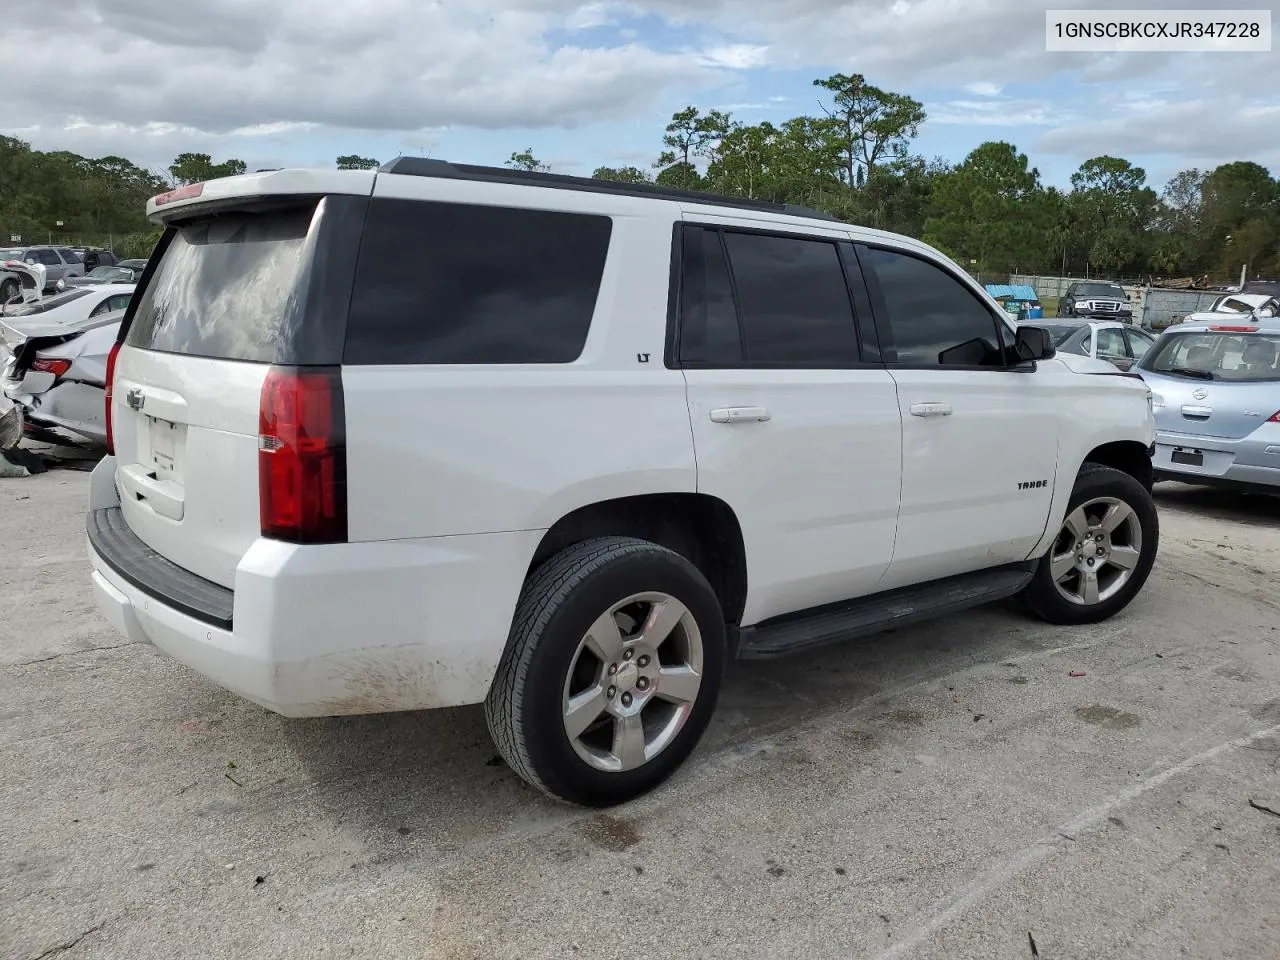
[[443, 169]]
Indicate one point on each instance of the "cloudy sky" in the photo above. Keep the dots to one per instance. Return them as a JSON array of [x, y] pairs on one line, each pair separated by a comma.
[[300, 81]]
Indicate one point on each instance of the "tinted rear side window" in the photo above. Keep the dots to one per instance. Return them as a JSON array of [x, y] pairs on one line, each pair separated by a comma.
[[458, 283], [794, 301], [709, 320], [225, 288]]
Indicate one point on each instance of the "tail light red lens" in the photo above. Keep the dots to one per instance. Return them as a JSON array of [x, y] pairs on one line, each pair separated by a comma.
[[302, 456], [111, 379], [1234, 329], [1274, 418], [45, 365]]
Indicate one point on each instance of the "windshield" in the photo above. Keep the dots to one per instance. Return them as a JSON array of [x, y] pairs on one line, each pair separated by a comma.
[[48, 303], [1235, 357], [1108, 290], [1059, 332], [111, 273]]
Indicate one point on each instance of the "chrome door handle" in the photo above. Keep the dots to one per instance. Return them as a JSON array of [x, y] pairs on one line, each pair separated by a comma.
[[930, 409], [739, 415]]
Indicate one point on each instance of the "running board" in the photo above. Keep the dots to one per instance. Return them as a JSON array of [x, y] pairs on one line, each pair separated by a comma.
[[882, 611]]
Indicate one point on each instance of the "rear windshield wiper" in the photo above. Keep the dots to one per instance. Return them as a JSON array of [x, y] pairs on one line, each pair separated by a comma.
[[1191, 372]]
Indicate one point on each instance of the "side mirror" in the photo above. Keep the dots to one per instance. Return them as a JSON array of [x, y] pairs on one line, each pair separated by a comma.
[[1033, 343]]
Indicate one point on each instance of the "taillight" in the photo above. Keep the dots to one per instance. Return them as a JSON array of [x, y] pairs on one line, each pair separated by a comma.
[[1234, 329], [302, 456], [45, 365], [111, 379], [1275, 417]]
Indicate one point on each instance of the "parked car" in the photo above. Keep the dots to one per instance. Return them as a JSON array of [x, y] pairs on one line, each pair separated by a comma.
[[58, 262], [117, 274], [564, 446], [1237, 305], [95, 257], [78, 304], [56, 372], [1117, 343], [20, 283], [1095, 299], [1216, 392]]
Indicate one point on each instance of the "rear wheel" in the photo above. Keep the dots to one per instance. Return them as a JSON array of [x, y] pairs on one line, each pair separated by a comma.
[[8, 290], [1103, 552], [611, 672]]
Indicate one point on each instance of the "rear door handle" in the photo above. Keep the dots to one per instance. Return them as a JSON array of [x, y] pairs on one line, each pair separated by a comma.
[[739, 415], [930, 409]]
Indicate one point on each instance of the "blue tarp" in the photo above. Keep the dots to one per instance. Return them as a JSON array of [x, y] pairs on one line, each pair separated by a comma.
[[1019, 291]]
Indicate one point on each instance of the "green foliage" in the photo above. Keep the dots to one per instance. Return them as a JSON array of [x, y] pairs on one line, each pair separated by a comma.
[[869, 124], [525, 160], [622, 174], [199, 167], [689, 136], [352, 161]]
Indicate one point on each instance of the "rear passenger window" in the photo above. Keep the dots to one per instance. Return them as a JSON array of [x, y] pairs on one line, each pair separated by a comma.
[[793, 300], [709, 321], [935, 319], [457, 283]]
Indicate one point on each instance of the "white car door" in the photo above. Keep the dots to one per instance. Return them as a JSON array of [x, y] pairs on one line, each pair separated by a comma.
[[795, 422], [979, 436]]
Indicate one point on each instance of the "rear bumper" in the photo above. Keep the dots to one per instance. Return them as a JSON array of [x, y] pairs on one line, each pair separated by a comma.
[[324, 630], [1253, 461]]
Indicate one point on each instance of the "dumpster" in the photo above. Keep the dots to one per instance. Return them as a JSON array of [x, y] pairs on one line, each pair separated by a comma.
[[1019, 300]]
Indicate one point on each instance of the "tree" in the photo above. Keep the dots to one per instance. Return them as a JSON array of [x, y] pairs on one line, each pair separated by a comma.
[[351, 161], [868, 123], [1240, 217], [689, 136], [992, 208], [199, 167], [622, 174], [525, 160]]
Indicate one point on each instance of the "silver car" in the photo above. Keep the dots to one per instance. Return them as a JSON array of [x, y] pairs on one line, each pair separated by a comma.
[[1216, 392]]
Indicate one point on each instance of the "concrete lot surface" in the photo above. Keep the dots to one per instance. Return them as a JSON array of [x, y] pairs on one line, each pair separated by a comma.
[[947, 792]]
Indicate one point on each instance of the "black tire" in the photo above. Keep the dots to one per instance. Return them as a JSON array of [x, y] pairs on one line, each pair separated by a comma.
[[560, 601], [1095, 480], [8, 290]]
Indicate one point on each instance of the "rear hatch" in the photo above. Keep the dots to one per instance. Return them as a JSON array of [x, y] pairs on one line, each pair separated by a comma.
[[1221, 382], [235, 286]]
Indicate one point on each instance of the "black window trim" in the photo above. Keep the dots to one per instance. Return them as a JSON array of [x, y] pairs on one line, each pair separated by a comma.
[[880, 310], [675, 318]]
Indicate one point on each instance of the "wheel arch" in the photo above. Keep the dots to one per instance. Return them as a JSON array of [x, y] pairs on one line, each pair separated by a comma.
[[702, 528]]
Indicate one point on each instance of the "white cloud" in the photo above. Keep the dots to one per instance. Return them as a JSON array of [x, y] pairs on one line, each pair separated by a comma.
[[147, 79], [736, 56], [383, 64], [996, 113]]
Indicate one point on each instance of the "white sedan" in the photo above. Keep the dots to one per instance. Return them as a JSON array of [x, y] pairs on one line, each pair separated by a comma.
[[1237, 305], [77, 304], [1120, 343]]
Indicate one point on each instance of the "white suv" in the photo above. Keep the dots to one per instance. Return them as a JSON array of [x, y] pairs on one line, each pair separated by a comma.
[[437, 435]]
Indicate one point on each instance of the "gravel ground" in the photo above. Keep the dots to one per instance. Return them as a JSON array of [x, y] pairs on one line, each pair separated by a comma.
[[946, 791]]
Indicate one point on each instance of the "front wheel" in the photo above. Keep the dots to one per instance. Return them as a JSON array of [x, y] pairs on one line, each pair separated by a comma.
[[611, 672], [1103, 552], [8, 290]]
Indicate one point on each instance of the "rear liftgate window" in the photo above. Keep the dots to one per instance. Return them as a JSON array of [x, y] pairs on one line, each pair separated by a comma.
[[458, 283], [226, 288]]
